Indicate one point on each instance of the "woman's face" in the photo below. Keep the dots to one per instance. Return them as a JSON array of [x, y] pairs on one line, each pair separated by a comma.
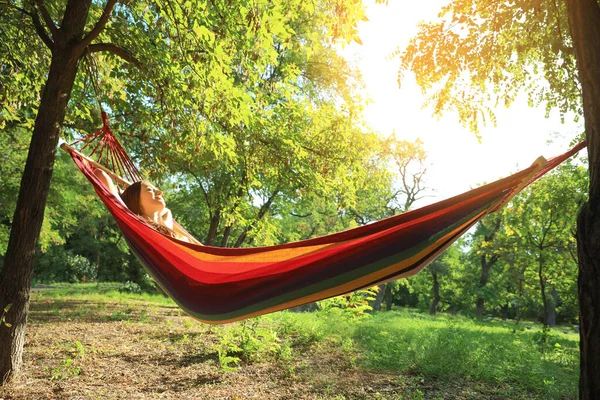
[[151, 200]]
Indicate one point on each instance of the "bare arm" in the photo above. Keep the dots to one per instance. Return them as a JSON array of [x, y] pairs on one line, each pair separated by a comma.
[[107, 181]]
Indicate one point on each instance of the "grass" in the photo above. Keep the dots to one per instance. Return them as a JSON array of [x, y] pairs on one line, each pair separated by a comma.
[[458, 348], [94, 341]]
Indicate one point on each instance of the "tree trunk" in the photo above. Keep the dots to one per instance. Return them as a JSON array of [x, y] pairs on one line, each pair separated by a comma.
[[15, 280], [479, 306], [215, 220], [379, 297], [552, 303], [584, 23], [226, 234], [436, 294], [588, 245], [387, 296], [261, 213], [543, 289], [505, 312], [486, 265]]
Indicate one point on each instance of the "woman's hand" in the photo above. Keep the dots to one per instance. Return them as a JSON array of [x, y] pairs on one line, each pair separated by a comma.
[[166, 218]]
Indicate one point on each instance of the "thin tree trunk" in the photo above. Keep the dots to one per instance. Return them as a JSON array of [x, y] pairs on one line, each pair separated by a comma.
[[486, 265], [261, 213], [584, 23], [215, 220], [387, 296], [479, 306], [552, 303], [505, 312], [436, 294], [543, 289], [379, 298], [226, 234], [15, 280]]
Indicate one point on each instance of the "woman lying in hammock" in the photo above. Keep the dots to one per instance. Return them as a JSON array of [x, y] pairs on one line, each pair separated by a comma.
[[147, 201]]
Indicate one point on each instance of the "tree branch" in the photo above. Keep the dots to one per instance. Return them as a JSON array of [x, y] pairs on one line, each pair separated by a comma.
[[116, 50], [293, 214], [56, 34], [40, 30], [93, 34]]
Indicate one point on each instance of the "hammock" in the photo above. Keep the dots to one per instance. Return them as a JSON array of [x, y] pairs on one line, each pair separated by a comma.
[[219, 285]]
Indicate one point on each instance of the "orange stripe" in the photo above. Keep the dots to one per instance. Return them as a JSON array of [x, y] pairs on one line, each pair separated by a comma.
[[360, 282], [261, 257]]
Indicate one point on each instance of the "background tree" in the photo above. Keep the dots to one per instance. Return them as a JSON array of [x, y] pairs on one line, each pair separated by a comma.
[[482, 53], [187, 76], [487, 248], [542, 223]]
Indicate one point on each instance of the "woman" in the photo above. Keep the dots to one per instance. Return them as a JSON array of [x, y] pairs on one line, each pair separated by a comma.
[[147, 201]]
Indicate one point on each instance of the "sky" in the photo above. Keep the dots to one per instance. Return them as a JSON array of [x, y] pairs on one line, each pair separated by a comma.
[[458, 162]]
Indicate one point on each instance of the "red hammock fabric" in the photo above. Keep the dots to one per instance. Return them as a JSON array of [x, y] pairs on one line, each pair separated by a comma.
[[219, 285]]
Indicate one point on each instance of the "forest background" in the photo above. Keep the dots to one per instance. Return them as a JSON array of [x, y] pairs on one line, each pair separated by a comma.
[[251, 121]]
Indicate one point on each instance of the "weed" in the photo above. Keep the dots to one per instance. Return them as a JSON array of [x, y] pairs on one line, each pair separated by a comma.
[[188, 323], [145, 317], [67, 367], [247, 341]]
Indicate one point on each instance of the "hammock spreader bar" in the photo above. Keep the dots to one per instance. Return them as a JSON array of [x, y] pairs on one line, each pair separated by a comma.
[[220, 285]]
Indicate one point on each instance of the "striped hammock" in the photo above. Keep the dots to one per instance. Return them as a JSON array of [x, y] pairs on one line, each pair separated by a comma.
[[219, 285]]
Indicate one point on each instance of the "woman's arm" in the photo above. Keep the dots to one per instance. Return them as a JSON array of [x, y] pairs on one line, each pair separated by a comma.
[[107, 181]]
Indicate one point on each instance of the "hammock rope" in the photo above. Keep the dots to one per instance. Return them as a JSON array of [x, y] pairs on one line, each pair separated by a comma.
[[109, 153], [220, 285]]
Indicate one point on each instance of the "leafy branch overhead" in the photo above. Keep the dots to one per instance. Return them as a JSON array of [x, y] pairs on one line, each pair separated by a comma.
[[480, 54]]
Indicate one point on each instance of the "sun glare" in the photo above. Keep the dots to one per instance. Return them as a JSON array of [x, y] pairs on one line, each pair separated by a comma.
[[457, 160]]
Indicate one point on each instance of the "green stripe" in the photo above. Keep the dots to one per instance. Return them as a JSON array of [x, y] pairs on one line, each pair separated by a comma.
[[334, 281]]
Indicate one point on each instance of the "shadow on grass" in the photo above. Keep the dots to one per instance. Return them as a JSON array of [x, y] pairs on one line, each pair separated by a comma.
[[54, 311]]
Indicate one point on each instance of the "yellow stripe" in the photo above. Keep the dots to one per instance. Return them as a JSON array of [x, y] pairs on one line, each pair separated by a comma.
[[360, 282]]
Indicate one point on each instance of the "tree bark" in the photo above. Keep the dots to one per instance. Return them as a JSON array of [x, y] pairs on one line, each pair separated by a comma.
[[15, 279], [543, 288], [584, 23], [552, 303], [226, 234], [214, 226], [486, 266], [505, 312], [436, 294], [387, 296], [379, 298]]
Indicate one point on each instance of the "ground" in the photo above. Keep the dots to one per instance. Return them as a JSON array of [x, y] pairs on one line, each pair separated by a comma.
[[95, 349]]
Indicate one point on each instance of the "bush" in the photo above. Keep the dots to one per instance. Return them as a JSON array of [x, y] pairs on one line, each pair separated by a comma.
[[58, 265], [130, 287]]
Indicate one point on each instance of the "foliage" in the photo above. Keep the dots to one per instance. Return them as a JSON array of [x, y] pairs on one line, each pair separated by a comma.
[[480, 54], [247, 342], [355, 305], [130, 287], [416, 291], [3, 316], [63, 266]]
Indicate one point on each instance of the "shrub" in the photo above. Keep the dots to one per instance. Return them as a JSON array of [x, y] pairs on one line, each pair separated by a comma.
[[58, 265]]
